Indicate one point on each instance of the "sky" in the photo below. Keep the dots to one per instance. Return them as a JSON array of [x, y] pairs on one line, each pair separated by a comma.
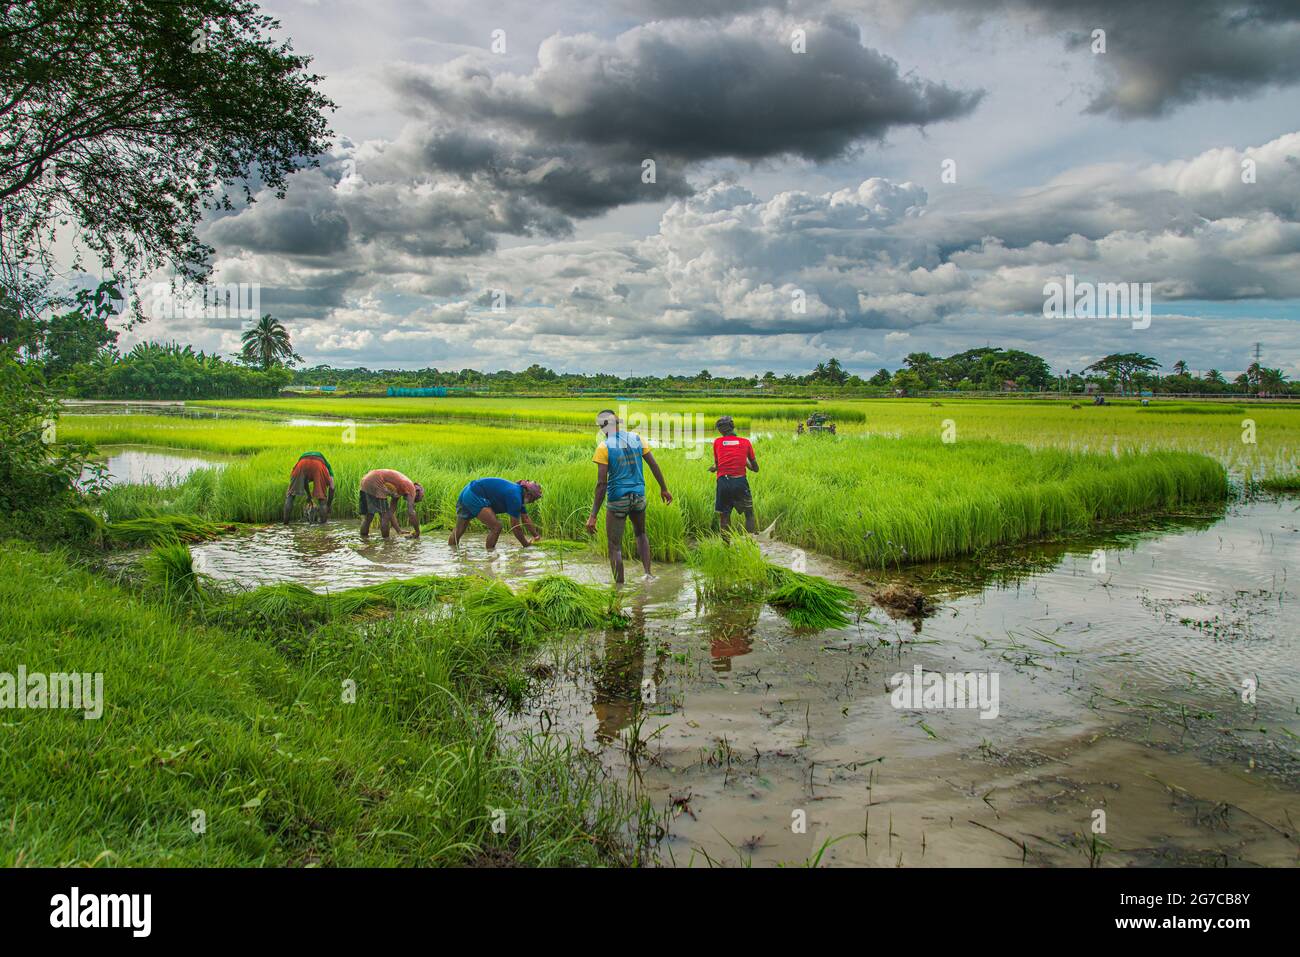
[[852, 179]]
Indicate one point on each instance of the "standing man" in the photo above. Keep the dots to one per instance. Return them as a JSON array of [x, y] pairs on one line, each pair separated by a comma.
[[732, 455], [620, 484], [380, 491], [486, 498], [311, 476]]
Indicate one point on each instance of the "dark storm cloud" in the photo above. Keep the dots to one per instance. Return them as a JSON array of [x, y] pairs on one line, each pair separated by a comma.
[[695, 92], [1162, 54]]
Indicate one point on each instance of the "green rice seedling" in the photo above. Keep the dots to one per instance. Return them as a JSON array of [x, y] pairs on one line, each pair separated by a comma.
[[493, 609], [563, 605], [735, 569], [807, 601], [169, 572], [1282, 483], [562, 546], [158, 529]]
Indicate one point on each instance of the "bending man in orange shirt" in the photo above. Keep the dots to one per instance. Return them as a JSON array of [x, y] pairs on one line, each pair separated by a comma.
[[380, 490]]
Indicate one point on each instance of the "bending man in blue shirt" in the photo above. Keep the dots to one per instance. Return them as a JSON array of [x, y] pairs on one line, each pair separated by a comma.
[[486, 498]]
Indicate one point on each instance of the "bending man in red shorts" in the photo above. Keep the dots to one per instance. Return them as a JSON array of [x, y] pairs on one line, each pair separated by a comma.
[[311, 476]]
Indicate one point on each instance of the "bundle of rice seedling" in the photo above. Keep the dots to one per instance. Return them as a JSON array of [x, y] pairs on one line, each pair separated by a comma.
[[279, 606], [169, 570], [808, 601], [562, 545], [160, 529], [496, 610], [560, 604], [728, 569], [419, 592]]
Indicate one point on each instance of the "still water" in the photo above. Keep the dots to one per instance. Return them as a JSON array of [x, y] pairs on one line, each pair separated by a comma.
[[1148, 698]]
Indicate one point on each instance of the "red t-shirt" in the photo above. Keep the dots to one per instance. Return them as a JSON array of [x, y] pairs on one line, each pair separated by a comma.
[[731, 452]]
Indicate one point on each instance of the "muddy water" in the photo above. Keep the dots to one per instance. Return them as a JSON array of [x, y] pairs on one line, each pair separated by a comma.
[[1119, 699], [333, 556], [149, 465]]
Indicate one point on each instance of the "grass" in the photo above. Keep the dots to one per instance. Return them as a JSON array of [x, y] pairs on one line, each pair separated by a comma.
[[280, 764], [571, 413], [868, 499], [1282, 483]]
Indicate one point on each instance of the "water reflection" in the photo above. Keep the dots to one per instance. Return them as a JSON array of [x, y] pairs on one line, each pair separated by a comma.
[[618, 674], [146, 465]]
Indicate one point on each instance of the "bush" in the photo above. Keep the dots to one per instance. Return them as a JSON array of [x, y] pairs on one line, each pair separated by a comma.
[[38, 479]]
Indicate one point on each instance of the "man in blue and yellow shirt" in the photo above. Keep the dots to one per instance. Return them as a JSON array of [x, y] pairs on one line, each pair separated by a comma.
[[620, 485]]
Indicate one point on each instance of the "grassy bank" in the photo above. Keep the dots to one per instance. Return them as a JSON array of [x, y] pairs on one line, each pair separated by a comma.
[[256, 739]]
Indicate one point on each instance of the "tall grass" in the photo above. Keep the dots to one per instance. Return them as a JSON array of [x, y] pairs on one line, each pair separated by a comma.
[[869, 499]]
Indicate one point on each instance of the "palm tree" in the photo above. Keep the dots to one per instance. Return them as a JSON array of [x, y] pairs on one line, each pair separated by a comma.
[[1180, 367], [267, 343]]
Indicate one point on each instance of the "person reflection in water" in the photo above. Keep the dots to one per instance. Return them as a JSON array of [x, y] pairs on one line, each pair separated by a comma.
[[731, 634], [618, 689]]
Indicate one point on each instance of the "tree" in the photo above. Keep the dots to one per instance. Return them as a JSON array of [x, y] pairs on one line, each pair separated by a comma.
[[1122, 366], [1180, 367], [82, 333], [123, 117], [267, 344], [1215, 376], [881, 378]]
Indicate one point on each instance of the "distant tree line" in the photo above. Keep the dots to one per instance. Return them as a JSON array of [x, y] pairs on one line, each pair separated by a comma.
[[986, 369]]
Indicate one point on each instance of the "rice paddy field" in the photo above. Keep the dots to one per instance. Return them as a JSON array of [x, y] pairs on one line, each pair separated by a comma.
[[1119, 570]]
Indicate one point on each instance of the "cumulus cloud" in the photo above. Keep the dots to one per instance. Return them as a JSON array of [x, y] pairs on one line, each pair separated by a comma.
[[1160, 54], [694, 92]]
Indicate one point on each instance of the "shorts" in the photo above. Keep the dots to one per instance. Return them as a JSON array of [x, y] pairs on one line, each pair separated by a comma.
[[298, 486], [632, 504], [468, 505], [370, 505], [733, 493]]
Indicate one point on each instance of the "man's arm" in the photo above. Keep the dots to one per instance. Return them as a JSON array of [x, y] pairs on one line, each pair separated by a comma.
[[288, 503], [752, 464], [410, 514], [516, 526], [602, 480], [532, 529], [659, 477]]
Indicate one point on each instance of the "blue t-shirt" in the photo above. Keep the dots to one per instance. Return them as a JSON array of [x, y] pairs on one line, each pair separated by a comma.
[[623, 453], [503, 496]]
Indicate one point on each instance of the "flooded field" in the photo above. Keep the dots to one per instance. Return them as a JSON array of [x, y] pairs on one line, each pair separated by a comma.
[[150, 465], [1146, 708]]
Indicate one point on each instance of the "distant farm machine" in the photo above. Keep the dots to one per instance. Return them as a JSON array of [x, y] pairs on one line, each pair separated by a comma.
[[817, 422]]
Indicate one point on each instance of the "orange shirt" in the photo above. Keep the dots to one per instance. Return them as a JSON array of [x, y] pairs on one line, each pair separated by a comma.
[[316, 472], [385, 483]]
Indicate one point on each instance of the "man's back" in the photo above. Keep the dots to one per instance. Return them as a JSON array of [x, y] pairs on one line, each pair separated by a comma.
[[623, 453]]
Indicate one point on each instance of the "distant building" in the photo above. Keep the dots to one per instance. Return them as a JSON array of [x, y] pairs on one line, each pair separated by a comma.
[[1092, 388]]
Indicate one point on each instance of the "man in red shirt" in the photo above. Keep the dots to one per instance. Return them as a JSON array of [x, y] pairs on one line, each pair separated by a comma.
[[380, 491], [732, 455], [311, 476]]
